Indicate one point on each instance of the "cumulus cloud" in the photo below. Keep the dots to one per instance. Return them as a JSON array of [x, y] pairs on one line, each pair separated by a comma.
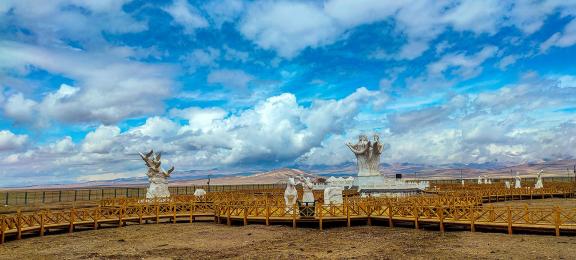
[[10, 141], [102, 140], [465, 66], [108, 89]]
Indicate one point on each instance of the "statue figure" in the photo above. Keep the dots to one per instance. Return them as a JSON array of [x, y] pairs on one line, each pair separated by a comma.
[[507, 184], [462, 181], [517, 184], [199, 193], [374, 155], [361, 150], [290, 195], [367, 155], [539, 184], [307, 185], [333, 195], [157, 177], [480, 179]]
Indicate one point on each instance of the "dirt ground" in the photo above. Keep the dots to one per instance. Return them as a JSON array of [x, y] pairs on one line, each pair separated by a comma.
[[212, 241]]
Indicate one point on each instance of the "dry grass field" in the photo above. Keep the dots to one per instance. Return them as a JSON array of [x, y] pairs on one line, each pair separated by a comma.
[[207, 240]]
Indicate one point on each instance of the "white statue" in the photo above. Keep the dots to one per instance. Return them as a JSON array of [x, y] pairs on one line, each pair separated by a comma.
[[199, 193], [290, 195], [462, 182], [307, 185], [517, 184], [157, 177], [539, 184], [333, 195], [485, 179], [361, 150], [489, 181], [507, 184], [480, 179], [374, 155]]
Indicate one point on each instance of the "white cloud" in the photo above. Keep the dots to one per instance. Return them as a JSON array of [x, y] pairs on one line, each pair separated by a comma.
[[288, 27], [10, 141], [65, 145], [102, 140], [199, 118], [466, 66], [565, 38], [230, 78], [156, 127], [108, 89], [20, 109], [186, 15]]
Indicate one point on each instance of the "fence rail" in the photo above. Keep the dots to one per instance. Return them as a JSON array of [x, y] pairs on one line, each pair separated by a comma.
[[35, 197]]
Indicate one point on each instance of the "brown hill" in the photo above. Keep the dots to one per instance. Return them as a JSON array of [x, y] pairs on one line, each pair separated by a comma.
[[271, 177]]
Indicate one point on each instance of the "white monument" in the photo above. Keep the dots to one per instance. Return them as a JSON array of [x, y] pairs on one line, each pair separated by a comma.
[[539, 184], [307, 186], [199, 193], [369, 180], [290, 195], [333, 195], [157, 177], [480, 179], [507, 184], [517, 184]]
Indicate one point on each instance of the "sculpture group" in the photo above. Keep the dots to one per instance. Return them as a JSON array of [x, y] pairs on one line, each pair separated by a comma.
[[368, 155]]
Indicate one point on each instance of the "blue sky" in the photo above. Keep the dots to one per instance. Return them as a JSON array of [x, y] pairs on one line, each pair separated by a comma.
[[255, 85]]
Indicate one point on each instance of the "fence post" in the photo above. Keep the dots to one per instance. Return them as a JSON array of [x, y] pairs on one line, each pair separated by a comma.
[[557, 220], [416, 214], [60, 196], [472, 219], [7, 193], [267, 213], [509, 220], [71, 225], [19, 224], [441, 216], [245, 215], [320, 215], [347, 206], [25, 198], [2, 227]]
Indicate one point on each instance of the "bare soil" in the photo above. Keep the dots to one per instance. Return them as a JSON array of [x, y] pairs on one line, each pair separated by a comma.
[[201, 240]]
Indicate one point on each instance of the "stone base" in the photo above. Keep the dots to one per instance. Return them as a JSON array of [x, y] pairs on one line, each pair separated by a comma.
[[382, 183]]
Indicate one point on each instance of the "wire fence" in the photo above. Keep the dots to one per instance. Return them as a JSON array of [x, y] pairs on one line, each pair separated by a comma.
[[32, 197]]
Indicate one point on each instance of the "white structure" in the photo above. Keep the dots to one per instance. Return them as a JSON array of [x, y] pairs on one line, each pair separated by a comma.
[[157, 177], [480, 179], [539, 184], [517, 184], [423, 185], [369, 180], [290, 195], [507, 184], [462, 182], [333, 195], [489, 181], [199, 193], [307, 186]]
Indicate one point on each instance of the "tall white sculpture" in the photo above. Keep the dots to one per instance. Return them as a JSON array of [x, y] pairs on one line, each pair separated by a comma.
[[157, 177], [308, 195], [290, 195], [507, 184], [333, 195], [367, 155], [480, 179], [517, 184], [539, 184], [199, 193]]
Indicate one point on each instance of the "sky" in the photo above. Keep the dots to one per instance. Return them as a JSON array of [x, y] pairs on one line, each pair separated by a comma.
[[240, 85]]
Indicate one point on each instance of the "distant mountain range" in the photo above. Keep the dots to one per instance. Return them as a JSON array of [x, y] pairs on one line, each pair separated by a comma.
[[408, 170]]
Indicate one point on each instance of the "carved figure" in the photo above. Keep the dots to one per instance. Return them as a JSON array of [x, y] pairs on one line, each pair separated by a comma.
[[539, 184], [157, 176], [507, 184], [307, 185], [333, 195], [290, 195], [199, 193], [480, 179], [517, 184], [367, 155]]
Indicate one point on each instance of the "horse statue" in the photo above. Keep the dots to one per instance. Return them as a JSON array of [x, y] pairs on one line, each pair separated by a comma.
[[157, 176], [290, 195]]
